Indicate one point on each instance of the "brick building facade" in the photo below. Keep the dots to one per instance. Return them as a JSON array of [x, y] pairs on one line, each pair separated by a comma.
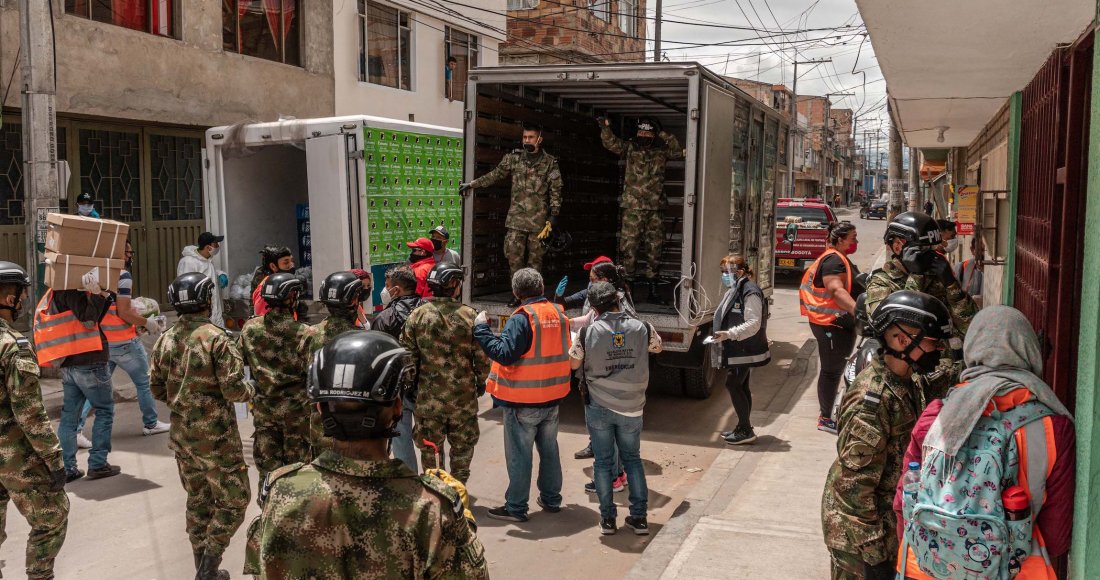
[[563, 31]]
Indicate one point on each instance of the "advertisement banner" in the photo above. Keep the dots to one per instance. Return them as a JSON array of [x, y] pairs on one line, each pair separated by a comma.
[[967, 212]]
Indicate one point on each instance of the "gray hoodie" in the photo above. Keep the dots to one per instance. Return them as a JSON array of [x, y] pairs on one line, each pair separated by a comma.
[[193, 261]]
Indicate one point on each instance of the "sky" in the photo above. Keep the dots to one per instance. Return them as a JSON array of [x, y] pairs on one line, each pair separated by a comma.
[[769, 59]]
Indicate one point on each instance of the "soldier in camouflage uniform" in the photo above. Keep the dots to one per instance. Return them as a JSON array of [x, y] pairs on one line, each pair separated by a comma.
[[280, 408], [451, 371], [877, 416], [643, 192], [915, 265], [536, 180], [354, 512], [31, 471], [196, 368]]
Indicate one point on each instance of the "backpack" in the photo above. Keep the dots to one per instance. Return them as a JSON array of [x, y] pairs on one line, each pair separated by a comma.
[[956, 525]]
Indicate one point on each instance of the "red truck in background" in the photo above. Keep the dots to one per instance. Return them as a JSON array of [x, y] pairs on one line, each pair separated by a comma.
[[801, 232]]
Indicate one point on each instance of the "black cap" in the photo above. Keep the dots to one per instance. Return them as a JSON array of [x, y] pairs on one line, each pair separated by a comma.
[[84, 198], [441, 231], [207, 238]]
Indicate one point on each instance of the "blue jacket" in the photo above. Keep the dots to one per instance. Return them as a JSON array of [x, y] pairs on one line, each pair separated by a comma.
[[510, 346]]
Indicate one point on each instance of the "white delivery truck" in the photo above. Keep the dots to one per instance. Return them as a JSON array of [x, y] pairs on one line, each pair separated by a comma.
[[341, 193]]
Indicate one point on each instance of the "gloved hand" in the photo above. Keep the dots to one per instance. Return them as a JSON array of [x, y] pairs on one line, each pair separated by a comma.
[[721, 336], [482, 318], [223, 280], [560, 291], [91, 283], [457, 486], [941, 269], [464, 188], [153, 326], [545, 233], [881, 571], [917, 260], [57, 479]]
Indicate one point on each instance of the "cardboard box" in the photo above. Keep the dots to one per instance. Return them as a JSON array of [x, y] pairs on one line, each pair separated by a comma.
[[65, 272], [84, 236]]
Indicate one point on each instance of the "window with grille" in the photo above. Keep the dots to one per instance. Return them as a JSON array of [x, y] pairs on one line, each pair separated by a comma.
[[385, 48], [110, 170], [600, 9], [175, 168], [628, 17], [12, 193], [153, 16], [463, 48], [523, 4], [267, 29]]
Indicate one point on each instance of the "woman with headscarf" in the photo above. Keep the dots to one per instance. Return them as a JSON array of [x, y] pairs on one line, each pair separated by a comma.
[[1003, 357]]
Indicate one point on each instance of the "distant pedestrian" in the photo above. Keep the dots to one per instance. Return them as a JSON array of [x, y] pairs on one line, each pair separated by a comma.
[[949, 243], [85, 205], [613, 354], [198, 258], [421, 260], [399, 299], [33, 474], [529, 377], [440, 239], [741, 323], [197, 369], [970, 272]]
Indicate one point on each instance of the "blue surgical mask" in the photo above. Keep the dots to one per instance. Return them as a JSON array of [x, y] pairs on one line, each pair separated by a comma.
[[727, 279], [85, 209]]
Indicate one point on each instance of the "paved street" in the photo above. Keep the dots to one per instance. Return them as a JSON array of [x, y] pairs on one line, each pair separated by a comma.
[[759, 505]]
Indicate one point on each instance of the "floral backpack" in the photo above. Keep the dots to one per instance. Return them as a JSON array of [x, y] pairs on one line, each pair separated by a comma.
[[956, 523]]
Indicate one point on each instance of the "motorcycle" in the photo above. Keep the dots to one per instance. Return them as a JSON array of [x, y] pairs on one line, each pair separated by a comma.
[[865, 351]]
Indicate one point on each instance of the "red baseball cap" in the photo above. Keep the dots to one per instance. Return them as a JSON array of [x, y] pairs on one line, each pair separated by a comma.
[[599, 260], [422, 243], [360, 273]]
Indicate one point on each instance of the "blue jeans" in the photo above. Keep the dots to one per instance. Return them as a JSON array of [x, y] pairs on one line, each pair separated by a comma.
[[403, 447], [609, 429], [132, 358], [91, 383], [524, 427]]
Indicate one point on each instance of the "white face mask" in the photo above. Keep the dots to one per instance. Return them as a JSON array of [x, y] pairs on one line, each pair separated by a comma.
[[386, 297], [952, 245], [215, 251], [85, 209]]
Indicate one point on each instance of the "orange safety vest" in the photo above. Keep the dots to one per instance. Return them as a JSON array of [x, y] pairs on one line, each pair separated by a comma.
[[117, 330], [542, 374], [814, 302], [60, 335], [1037, 565]]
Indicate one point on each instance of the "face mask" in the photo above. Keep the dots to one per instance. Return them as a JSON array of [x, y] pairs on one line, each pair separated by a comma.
[[386, 297], [851, 249], [85, 210], [927, 362], [952, 245], [645, 141], [727, 279], [529, 148], [414, 258], [215, 251], [437, 244], [290, 271]]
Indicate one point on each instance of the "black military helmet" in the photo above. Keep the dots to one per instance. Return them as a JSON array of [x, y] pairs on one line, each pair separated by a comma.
[[12, 273], [557, 241], [915, 228], [915, 309], [191, 293], [442, 274], [278, 287], [360, 366], [647, 124], [340, 289]]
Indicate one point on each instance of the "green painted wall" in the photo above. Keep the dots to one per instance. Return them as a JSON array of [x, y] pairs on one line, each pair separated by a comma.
[[1015, 112], [1085, 558]]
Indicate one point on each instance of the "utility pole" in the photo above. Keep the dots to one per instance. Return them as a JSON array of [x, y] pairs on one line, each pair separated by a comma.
[[829, 124], [915, 200], [40, 177], [897, 194], [794, 117], [657, 34]]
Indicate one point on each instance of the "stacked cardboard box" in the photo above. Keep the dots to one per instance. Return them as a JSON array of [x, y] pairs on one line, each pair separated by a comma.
[[77, 245]]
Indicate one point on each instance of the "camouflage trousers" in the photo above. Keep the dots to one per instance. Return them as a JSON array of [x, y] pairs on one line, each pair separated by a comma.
[[523, 249], [845, 566], [47, 512], [217, 497], [459, 429], [642, 229], [279, 441]]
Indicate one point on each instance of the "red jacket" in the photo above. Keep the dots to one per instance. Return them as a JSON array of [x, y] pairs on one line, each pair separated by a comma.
[[421, 270], [259, 305], [1056, 517]]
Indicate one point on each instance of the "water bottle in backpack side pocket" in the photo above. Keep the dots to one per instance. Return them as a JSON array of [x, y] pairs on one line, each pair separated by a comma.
[[910, 484]]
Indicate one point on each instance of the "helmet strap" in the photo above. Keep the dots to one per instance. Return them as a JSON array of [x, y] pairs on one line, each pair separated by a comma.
[[356, 426], [903, 355]]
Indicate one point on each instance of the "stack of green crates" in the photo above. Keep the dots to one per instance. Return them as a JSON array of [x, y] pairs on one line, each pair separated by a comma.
[[412, 186]]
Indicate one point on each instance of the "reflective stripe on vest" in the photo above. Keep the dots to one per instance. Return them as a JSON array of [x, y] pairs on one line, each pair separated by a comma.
[[542, 374], [60, 335], [815, 303], [117, 330]]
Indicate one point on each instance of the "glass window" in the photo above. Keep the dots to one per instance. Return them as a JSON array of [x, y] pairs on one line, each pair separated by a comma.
[[267, 29], [385, 49], [152, 16], [523, 4], [600, 9], [808, 214], [12, 188], [461, 56], [628, 17]]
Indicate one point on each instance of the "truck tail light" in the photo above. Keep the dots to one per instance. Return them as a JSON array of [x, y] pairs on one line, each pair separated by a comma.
[[673, 337]]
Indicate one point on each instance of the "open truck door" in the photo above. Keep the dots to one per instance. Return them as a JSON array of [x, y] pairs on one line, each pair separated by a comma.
[[335, 179]]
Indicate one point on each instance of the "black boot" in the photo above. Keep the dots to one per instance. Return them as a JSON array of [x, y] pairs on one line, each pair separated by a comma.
[[198, 559], [208, 568]]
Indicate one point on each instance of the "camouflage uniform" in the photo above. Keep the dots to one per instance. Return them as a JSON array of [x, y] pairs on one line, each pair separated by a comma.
[[892, 278], [315, 338], [340, 518], [280, 407], [857, 513], [196, 368], [534, 178], [29, 453], [643, 196], [451, 371]]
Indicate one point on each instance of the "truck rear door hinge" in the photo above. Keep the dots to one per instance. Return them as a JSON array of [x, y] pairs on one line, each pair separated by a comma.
[[695, 114], [357, 154], [468, 115]]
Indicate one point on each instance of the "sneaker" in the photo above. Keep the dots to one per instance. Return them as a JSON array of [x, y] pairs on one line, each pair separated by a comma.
[[744, 437], [502, 513], [550, 508], [72, 475], [585, 453], [82, 442], [608, 527], [107, 470], [725, 434], [826, 424], [619, 483], [639, 525], [158, 427], [590, 487]]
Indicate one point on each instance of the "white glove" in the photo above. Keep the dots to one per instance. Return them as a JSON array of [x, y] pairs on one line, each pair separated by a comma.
[[153, 326], [482, 318], [91, 283], [721, 336]]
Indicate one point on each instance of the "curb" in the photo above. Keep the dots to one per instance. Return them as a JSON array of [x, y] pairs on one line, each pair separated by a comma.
[[718, 485]]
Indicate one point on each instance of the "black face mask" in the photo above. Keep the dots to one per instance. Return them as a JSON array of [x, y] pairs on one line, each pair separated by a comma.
[[645, 141], [16, 310], [928, 362], [437, 245], [290, 271], [529, 148], [414, 258]]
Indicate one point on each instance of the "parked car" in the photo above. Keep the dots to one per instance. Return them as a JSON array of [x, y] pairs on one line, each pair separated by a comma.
[[876, 209]]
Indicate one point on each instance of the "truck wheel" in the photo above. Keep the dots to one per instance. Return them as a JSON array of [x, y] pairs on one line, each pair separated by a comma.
[[665, 380], [699, 381]]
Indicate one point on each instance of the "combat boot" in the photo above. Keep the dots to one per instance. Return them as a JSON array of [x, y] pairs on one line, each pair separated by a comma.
[[208, 568], [198, 559]]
